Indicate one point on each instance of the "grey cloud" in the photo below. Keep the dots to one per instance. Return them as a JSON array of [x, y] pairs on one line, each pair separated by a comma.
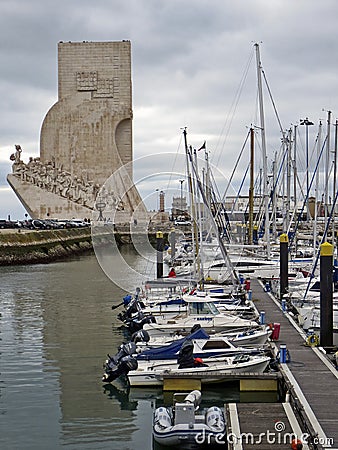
[[188, 62]]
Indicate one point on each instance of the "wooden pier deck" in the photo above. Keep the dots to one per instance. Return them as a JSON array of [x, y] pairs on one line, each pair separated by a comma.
[[261, 425], [312, 379]]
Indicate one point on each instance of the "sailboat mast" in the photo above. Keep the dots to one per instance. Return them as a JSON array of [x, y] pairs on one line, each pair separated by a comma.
[[265, 168], [319, 145], [295, 168], [233, 273], [199, 230], [188, 154], [288, 181], [334, 180], [251, 189], [327, 163], [274, 196]]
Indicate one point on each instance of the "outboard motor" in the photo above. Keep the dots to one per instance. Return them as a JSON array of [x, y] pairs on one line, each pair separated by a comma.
[[137, 323], [124, 350], [133, 321], [128, 305], [194, 397], [132, 307], [127, 299], [185, 357], [128, 349], [125, 365], [140, 336]]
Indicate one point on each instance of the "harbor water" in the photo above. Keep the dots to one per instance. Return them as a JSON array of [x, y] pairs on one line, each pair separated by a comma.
[[56, 328]]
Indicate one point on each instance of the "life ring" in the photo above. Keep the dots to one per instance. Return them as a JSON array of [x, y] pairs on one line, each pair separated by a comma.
[[312, 340]]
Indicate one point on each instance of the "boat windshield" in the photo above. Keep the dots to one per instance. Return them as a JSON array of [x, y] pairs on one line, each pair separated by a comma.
[[203, 308]]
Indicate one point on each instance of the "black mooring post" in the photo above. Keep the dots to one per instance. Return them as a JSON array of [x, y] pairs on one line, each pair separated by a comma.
[[159, 248], [326, 295], [283, 264]]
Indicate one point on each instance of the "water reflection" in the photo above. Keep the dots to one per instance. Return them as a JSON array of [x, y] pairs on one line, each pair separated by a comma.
[[56, 328], [121, 395]]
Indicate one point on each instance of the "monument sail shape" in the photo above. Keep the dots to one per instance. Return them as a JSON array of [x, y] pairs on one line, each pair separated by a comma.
[[85, 137]]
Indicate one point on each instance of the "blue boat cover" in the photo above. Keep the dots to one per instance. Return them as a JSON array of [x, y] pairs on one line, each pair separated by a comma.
[[170, 351], [176, 301]]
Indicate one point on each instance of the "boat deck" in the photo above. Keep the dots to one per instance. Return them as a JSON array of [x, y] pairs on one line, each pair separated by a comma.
[[310, 376]]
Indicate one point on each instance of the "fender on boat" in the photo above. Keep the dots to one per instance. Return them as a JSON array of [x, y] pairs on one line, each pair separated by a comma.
[[162, 418], [214, 419]]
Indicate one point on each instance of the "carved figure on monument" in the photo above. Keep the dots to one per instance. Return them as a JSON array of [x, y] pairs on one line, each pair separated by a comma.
[[16, 158], [87, 194], [76, 189], [39, 175], [17, 155], [55, 180], [19, 170], [96, 189], [66, 185]]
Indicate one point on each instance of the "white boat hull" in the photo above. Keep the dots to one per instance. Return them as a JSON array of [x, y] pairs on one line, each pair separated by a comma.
[[184, 424], [181, 435], [254, 337], [154, 374]]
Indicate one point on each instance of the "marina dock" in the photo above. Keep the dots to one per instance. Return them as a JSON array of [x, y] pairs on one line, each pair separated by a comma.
[[261, 425], [248, 382], [311, 379]]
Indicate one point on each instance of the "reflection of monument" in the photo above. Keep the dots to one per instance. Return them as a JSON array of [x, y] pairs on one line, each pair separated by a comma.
[[85, 136]]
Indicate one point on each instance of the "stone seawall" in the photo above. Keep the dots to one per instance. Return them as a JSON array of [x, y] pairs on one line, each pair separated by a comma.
[[44, 246], [31, 247]]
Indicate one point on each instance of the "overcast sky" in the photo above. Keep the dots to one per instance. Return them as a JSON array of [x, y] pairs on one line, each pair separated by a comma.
[[193, 65]]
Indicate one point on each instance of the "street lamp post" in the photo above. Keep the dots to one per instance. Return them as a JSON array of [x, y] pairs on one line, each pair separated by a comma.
[[307, 122]]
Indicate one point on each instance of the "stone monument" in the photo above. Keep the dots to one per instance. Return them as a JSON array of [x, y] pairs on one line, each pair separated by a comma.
[[86, 136]]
